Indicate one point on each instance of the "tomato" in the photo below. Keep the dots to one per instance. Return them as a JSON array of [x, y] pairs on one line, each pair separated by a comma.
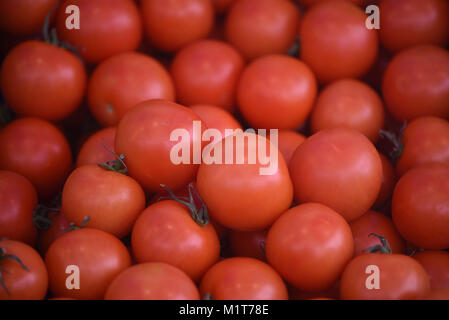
[[335, 42], [107, 27], [261, 27], [248, 244], [425, 140], [166, 232], [407, 23], [349, 103], [288, 142], [243, 279], [238, 196], [377, 223], [415, 83], [152, 281], [438, 294], [124, 80], [436, 264], [37, 150], [29, 283], [170, 25], [388, 182], [216, 118], [420, 206], [276, 92], [99, 256], [207, 72], [18, 199], [339, 168], [41, 80], [308, 3], [95, 148], [24, 17], [60, 226], [222, 6], [309, 245], [143, 136]]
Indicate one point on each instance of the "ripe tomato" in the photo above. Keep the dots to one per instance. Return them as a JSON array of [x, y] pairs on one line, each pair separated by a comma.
[[41, 80], [288, 142], [152, 281], [60, 226], [261, 27], [420, 206], [37, 150], [388, 182], [276, 92], [309, 245], [143, 136], [248, 244], [339, 168], [335, 42], [407, 23], [99, 256], [436, 264], [425, 140], [415, 83], [349, 103], [207, 72], [243, 279], [22, 284], [170, 25], [107, 27], [438, 294], [18, 199], [124, 80], [377, 223], [95, 148], [216, 118]]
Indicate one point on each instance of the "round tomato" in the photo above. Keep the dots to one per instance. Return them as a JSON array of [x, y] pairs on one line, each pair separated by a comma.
[[288, 142], [97, 148], [249, 244], [216, 118], [436, 264], [388, 182]]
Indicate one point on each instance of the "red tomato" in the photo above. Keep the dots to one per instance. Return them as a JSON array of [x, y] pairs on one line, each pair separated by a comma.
[[276, 92], [60, 226], [243, 279], [248, 244], [420, 206], [95, 148], [143, 136], [415, 83], [388, 182], [438, 294], [18, 199], [99, 256], [288, 142], [170, 25], [21, 284], [41, 80], [309, 245], [425, 140], [339, 168], [260, 27], [216, 118], [407, 23], [37, 150], [308, 3], [124, 80], [107, 27], [152, 281], [207, 72], [436, 264], [349, 103], [335, 42], [166, 232]]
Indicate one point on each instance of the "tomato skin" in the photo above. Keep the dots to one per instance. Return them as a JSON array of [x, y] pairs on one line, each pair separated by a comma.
[[93, 150], [276, 92], [389, 179], [309, 245], [41, 80], [207, 72], [400, 278], [18, 199], [22, 284], [414, 83], [243, 279], [420, 206], [152, 281], [171, 25], [349, 103], [407, 23], [327, 167], [124, 80], [288, 142], [436, 264], [37, 150], [143, 136], [335, 42], [106, 28], [59, 227], [438, 294], [425, 140], [248, 244], [217, 118], [81, 248]]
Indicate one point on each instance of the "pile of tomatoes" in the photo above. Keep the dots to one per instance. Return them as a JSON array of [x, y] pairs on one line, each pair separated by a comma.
[[93, 207]]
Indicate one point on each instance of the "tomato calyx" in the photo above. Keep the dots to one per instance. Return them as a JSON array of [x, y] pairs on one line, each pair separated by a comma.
[[43, 217], [199, 215], [117, 165], [4, 256], [383, 247], [396, 140], [73, 226]]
